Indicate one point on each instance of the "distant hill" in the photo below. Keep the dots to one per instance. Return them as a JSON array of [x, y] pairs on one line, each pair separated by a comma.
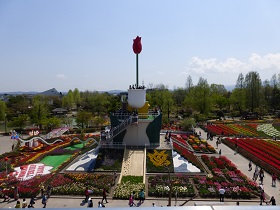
[[51, 91], [19, 93]]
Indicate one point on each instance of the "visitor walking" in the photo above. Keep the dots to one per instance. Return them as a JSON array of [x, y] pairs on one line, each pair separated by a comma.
[[262, 197], [131, 200], [44, 200], [49, 189], [104, 194], [222, 194], [24, 203], [31, 203], [217, 143], [141, 196], [16, 194], [90, 204], [220, 152], [42, 189], [86, 192], [100, 204], [250, 166], [261, 175], [274, 177]]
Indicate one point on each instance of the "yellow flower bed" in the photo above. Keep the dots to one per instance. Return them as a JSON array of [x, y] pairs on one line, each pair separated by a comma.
[[159, 158]]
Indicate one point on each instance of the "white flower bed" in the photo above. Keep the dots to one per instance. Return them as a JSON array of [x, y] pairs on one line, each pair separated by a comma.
[[268, 129]]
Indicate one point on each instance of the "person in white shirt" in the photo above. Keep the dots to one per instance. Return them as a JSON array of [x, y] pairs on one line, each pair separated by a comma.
[[222, 194], [99, 205]]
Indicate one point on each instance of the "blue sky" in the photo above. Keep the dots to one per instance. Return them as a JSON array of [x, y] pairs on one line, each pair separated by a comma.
[[69, 44]]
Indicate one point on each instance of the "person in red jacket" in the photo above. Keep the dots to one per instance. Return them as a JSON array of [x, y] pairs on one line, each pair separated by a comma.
[[86, 194], [104, 196]]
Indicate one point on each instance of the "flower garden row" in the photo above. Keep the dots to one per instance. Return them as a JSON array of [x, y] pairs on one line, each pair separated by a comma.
[[265, 153], [193, 142], [226, 175], [250, 130]]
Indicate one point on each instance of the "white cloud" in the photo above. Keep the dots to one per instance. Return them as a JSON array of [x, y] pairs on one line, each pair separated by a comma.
[[232, 65], [60, 76]]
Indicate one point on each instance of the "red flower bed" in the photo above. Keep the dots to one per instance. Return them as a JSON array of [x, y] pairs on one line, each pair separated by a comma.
[[231, 130], [259, 149]]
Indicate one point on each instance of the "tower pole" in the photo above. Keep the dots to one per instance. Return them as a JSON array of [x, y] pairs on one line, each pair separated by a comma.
[[136, 70]]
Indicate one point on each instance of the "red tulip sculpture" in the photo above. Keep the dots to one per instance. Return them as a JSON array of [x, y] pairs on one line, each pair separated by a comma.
[[137, 48]]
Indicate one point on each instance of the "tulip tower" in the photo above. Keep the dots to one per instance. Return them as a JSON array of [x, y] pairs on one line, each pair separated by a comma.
[[135, 124]]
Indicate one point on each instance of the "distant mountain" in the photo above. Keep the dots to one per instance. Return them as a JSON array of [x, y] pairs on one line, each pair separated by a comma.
[[19, 93], [54, 91], [115, 91]]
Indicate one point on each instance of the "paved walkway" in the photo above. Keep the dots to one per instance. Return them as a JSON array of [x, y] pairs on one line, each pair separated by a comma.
[[242, 164]]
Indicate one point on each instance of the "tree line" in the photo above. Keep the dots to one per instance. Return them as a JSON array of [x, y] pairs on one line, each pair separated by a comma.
[[199, 102]]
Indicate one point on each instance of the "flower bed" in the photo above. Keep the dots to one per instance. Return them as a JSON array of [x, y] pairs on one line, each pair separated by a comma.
[[75, 183], [226, 175], [266, 154], [158, 160], [232, 130], [27, 189], [200, 145], [128, 185], [159, 186]]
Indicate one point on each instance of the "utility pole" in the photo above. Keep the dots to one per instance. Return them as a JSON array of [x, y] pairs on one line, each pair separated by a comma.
[[170, 185], [5, 123]]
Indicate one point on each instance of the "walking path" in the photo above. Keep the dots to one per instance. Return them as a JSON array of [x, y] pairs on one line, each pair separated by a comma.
[[133, 163], [242, 165]]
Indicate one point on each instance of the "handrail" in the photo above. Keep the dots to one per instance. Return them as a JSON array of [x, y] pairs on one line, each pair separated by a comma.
[[116, 130]]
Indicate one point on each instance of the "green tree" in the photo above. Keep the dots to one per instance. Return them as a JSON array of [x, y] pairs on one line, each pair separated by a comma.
[[179, 95], [238, 99], [253, 87], [199, 97], [51, 123], [189, 84], [20, 121], [83, 119], [219, 96], [77, 97], [40, 110], [68, 100], [187, 124], [3, 109], [19, 104]]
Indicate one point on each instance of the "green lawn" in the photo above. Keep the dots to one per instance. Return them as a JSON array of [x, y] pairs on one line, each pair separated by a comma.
[[55, 160], [76, 146]]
